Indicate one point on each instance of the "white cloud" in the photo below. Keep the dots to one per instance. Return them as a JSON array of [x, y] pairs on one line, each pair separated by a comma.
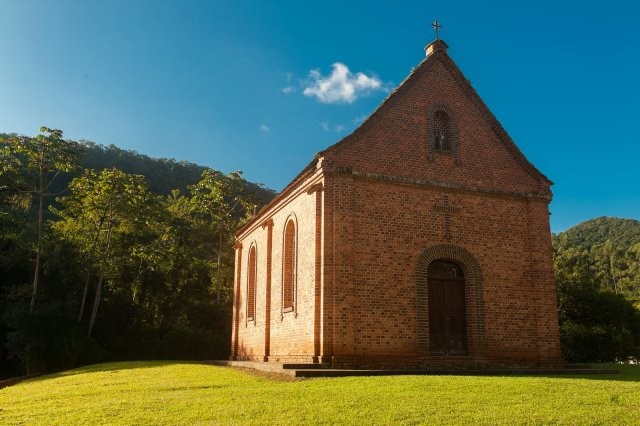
[[324, 125], [339, 128], [289, 89], [341, 86], [264, 128]]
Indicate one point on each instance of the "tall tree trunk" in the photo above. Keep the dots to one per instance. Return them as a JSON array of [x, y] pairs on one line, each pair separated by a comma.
[[96, 300], [137, 282], [36, 274], [613, 276], [96, 303], [86, 281], [84, 294]]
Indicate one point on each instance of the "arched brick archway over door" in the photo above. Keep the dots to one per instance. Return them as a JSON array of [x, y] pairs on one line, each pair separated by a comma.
[[473, 296]]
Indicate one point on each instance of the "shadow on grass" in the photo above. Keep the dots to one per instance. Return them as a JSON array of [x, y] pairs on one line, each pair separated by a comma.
[[627, 373], [109, 367]]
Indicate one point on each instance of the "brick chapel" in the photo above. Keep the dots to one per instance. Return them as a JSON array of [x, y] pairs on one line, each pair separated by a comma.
[[420, 240]]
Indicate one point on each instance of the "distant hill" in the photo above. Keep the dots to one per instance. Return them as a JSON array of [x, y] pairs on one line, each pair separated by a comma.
[[623, 233], [163, 174], [597, 269], [601, 253]]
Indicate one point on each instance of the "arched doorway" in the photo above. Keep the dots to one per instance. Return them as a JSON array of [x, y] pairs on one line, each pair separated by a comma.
[[447, 308]]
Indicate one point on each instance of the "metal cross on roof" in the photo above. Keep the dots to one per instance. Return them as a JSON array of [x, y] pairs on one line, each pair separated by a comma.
[[436, 26]]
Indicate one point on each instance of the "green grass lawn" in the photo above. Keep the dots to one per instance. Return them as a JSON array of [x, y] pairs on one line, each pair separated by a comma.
[[191, 393]]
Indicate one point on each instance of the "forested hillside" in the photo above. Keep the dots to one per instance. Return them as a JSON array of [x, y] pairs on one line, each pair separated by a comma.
[[108, 254], [597, 267], [623, 233], [163, 174]]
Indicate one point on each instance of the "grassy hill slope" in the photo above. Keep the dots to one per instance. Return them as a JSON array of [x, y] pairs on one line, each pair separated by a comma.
[[183, 393]]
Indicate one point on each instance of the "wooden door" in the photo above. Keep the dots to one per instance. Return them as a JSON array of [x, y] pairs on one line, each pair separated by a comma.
[[447, 309]]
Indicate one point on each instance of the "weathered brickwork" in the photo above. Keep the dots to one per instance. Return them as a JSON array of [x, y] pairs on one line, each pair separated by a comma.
[[372, 212]]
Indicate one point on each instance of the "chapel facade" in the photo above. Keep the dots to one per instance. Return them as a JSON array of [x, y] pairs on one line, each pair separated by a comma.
[[420, 240]]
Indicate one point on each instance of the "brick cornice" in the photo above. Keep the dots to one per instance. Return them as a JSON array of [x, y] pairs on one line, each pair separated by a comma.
[[434, 184], [315, 188]]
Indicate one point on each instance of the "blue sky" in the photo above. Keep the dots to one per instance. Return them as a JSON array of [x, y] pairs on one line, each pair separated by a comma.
[[252, 85]]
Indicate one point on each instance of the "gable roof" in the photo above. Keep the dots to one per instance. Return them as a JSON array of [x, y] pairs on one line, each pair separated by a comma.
[[439, 55], [436, 52]]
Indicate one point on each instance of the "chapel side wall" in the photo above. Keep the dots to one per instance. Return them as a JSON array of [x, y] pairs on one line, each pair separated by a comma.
[[292, 332], [379, 231]]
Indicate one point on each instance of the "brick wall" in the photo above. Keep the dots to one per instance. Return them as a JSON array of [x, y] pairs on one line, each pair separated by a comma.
[[380, 231]]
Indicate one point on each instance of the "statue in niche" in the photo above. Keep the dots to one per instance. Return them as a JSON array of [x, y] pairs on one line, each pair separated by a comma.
[[440, 140]]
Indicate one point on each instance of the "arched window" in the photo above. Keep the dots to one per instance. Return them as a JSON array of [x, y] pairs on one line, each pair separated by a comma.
[[442, 131], [251, 285], [289, 267]]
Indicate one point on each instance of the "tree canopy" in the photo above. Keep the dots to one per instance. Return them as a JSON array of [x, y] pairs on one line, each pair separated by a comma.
[[134, 255], [597, 267]]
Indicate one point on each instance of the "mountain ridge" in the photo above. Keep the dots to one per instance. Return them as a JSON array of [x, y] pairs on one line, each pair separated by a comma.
[[623, 232]]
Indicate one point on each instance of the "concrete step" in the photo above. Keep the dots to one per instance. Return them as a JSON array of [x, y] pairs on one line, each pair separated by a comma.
[[501, 372], [321, 370], [291, 366], [270, 367]]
